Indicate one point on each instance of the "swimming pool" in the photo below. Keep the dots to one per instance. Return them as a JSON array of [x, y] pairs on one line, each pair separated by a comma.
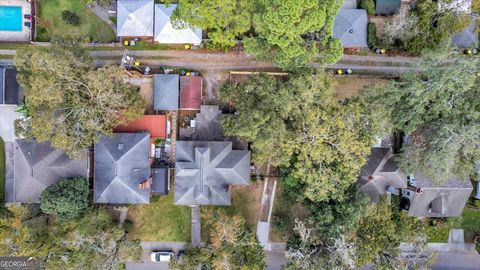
[[10, 18]]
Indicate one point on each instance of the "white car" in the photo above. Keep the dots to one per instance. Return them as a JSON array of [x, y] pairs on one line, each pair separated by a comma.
[[161, 256]]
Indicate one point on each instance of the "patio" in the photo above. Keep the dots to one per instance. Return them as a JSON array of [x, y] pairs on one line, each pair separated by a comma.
[[25, 33]]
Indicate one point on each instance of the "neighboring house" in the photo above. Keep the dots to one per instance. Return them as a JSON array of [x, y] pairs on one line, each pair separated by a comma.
[[190, 92], [37, 166], [204, 172], [10, 91], [208, 125], [155, 125], [350, 26], [387, 7], [166, 91], [468, 38], [459, 6], [167, 34], [135, 18], [424, 198], [381, 173], [350, 4], [419, 195], [122, 169]]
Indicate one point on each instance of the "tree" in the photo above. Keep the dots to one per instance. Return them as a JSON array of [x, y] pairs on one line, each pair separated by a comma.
[[71, 102], [225, 19], [280, 27], [369, 6], [306, 252], [231, 246], [70, 17], [380, 232], [334, 218], [320, 142], [66, 199], [440, 109]]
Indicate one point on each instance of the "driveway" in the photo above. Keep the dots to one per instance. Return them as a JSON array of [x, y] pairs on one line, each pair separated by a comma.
[[148, 247], [8, 115]]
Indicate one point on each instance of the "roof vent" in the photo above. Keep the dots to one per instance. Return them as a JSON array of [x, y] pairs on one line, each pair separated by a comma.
[[120, 146], [350, 31]]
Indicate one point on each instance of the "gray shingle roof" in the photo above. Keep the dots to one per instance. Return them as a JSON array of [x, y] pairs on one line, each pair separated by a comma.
[[350, 27], [165, 92], [10, 90], [349, 4], [37, 166], [380, 173], [387, 7], [439, 200], [203, 170], [208, 125], [165, 33], [2, 85], [468, 37], [121, 164], [135, 18], [160, 180]]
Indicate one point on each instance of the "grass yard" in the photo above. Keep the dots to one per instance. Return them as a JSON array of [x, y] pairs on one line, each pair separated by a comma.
[[160, 220], [91, 27], [245, 202], [285, 211], [2, 169], [350, 86], [469, 221]]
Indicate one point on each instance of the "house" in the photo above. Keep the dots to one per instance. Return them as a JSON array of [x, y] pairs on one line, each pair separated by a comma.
[[155, 125], [424, 198], [165, 32], [458, 6], [122, 169], [190, 92], [350, 26], [381, 173], [387, 7], [208, 125], [10, 91], [166, 92], [204, 172], [468, 38], [349, 4], [135, 18], [37, 166], [419, 195]]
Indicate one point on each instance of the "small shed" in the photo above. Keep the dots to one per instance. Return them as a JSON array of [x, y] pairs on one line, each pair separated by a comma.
[[190, 92], [387, 7], [350, 26], [156, 125], [160, 178], [165, 92]]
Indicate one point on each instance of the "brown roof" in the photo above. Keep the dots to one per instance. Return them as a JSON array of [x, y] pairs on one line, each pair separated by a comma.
[[190, 92]]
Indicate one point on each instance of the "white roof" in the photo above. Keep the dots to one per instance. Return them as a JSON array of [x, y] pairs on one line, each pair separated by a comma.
[[135, 18], [165, 33]]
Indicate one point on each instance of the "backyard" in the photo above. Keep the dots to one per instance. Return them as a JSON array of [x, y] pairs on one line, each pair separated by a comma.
[[2, 169], [160, 220], [51, 25], [349, 86]]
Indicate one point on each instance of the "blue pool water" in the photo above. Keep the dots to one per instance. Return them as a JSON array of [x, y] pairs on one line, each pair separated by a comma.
[[10, 18]]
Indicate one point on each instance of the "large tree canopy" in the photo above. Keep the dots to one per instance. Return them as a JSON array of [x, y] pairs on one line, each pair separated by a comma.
[[66, 199], [69, 101], [231, 246], [92, 242], [280, 28], [299, 124], [287, 32], [440, 109]]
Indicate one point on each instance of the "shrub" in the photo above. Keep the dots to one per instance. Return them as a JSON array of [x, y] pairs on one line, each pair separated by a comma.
[[372, 35], [70, 17], [67, 199], [279, 223], [369, 6]]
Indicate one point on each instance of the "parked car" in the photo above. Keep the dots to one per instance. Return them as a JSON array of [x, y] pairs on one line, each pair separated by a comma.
[[162, 256]]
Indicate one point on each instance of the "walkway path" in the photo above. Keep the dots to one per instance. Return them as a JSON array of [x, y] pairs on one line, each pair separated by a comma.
[[196, 226]]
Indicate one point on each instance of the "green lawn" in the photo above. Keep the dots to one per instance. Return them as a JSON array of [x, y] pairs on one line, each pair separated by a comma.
[[160, 220], [2, 170], [469, 221], [91, 27]]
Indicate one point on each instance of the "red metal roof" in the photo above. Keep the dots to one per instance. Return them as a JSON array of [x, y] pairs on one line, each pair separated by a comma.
[[155, 124], [190, 92]]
